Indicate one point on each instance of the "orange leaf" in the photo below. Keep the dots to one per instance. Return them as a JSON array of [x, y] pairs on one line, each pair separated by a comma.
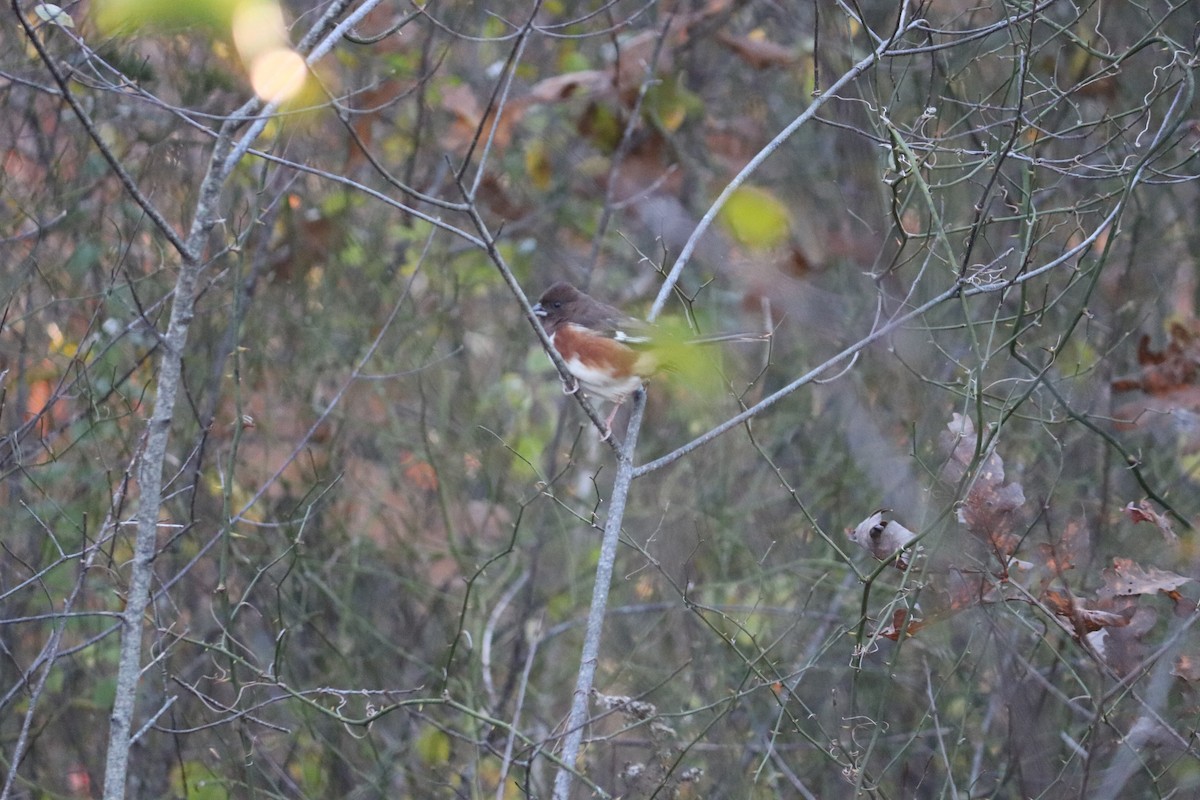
[[39, 398], [898, 624], [419, 473]]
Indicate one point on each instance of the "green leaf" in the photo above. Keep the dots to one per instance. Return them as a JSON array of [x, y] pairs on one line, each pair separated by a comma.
[[195, 781], [693, 372], [125, 16]]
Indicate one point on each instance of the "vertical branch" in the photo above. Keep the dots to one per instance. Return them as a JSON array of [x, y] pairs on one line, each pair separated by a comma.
[[223, 159], [150, 470], [577, 718]]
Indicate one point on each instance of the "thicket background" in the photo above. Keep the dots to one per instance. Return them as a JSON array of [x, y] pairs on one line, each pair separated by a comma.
[[376, 537]]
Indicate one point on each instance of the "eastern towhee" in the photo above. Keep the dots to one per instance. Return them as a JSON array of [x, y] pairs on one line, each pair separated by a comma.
[[609, 353]]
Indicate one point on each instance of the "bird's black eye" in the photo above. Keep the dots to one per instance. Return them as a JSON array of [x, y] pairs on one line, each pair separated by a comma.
[[558, 303], [877, 531]]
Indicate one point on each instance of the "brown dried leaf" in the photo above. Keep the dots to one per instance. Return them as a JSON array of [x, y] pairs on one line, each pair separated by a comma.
[[39, 405], [1187, 667], [369, 108], [989, 509], [795, 262], [892, 631], [958, 441], [1070, 549], [637, 53], [650, 49], [572, 84], [1161, 411], [1177, 365], [1054, 559], [1144, 512], [1082, 617], [961, 589], [1125, 648], [495, 192], [733, 142], [1057, 602], [1126, 578], [758, 51], [461, 103]]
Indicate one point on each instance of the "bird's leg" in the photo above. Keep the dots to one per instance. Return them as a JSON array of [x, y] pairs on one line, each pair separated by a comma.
[[571, 387], [608, 431]]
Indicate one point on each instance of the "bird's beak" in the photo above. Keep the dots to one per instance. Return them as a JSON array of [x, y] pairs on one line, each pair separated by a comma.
[[538, 310]]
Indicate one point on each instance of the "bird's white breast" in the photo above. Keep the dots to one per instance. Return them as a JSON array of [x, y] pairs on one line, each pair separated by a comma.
[[601, 384]]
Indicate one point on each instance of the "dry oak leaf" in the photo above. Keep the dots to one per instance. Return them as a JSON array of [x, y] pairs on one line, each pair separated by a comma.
[[964, 589], [1053, 560], [1124, 649], [1168, 376], [1071, 548], [758, 51], [1169, 369], [1127, 578], [1090, 619], [1143, 512], [1187, 667], [561, 87], [958, 442], [899, 618], [468, 119], [989, 509]]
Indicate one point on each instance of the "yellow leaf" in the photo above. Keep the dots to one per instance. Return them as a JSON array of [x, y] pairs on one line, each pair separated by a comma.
[[671, 104], [489, 777], [433, 747], [537, 165], [756, 218]]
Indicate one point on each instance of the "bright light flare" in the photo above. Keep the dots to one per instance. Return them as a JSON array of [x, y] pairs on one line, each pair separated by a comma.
[[277, 72], [278, 75]]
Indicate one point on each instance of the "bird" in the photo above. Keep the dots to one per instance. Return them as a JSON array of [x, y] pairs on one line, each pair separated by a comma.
[[609, 353]]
